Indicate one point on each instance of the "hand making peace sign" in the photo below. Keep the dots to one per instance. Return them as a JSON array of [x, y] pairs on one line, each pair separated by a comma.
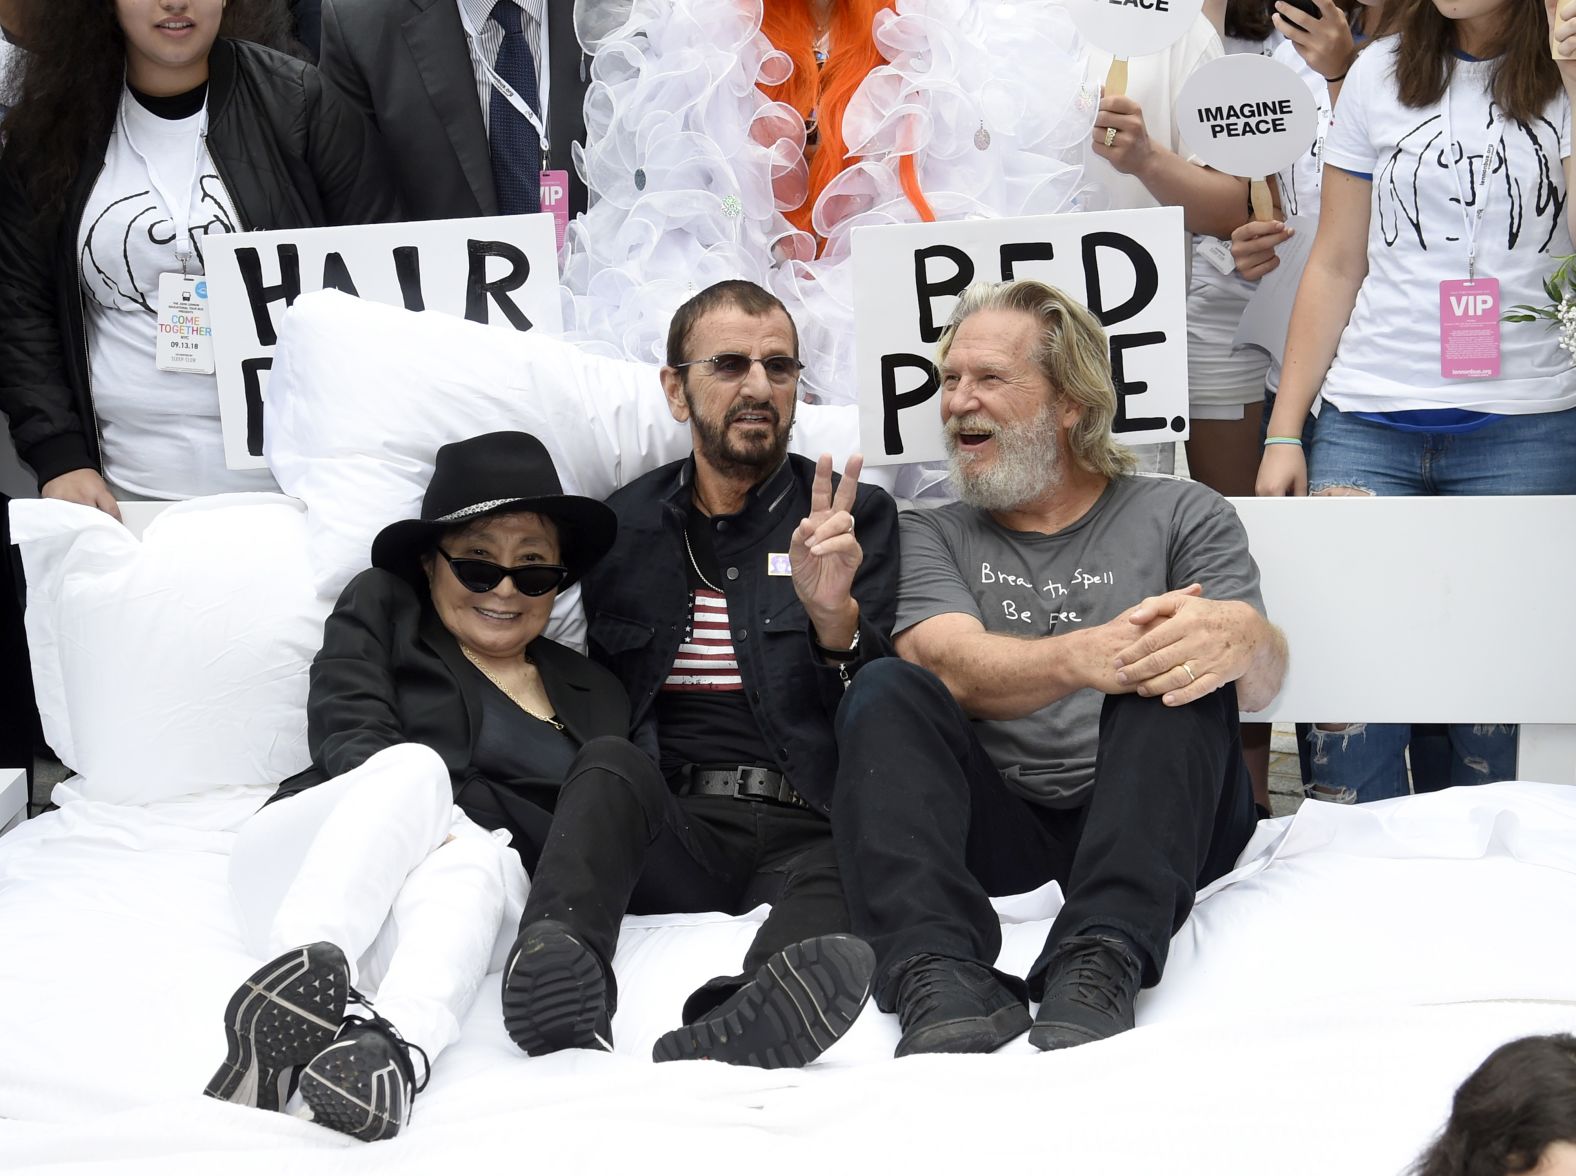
[[826, 555]]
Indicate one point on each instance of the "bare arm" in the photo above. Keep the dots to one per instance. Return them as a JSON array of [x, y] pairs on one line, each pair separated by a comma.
[[1325, 298], [998, 677], [1562, 39], [1212, 202]]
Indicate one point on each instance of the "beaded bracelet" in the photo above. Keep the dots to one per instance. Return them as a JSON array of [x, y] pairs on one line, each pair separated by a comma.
[[1297, 441]]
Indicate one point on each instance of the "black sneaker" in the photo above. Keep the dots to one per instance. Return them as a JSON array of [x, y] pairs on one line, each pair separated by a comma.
[[800, 1001], [554, 992], [277, 1021], [1091, 985], [955, 1006], [364, 1083]]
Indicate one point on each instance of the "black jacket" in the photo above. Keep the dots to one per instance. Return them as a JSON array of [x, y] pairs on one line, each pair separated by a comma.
[[292, 154], [389, 672], [406, 65], [637, 601]]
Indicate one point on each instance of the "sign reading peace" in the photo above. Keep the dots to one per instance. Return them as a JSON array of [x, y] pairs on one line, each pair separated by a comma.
[[1132, 28]]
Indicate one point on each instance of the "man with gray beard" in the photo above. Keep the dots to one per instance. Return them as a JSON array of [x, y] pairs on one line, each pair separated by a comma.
[[1075, 644]]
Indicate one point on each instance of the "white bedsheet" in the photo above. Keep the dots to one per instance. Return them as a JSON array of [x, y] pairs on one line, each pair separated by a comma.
[[1318, 1010]]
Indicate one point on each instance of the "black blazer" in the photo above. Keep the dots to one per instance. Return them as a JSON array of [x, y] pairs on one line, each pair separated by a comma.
[[389, 672], [406, 65]]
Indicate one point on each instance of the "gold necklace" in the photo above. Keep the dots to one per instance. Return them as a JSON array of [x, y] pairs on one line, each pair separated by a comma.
[[471, 656]]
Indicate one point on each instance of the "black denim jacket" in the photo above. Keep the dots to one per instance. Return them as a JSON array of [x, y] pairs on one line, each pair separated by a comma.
[[637, 602]]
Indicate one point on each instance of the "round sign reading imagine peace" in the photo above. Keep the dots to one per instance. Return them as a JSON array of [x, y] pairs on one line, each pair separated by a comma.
[[1247, 115]]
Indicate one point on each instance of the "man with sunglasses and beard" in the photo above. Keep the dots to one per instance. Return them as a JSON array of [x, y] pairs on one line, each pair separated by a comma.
[[1075, 643], [747, 587]]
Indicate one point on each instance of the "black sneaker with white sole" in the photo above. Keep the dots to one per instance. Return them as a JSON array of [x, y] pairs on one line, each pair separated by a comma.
[[799, 1002], [554, 992], [365, 1082], [277, 1021]]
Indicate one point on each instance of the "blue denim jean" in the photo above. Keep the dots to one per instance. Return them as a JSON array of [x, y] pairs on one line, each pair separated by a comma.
[[1533, 454]]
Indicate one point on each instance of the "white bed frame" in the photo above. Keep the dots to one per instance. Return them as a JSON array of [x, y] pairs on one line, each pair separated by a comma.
[[1443, 610]]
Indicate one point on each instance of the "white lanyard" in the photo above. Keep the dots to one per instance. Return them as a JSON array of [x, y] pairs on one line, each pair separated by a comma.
[[1472, 222], [511, 95], [180, 210]]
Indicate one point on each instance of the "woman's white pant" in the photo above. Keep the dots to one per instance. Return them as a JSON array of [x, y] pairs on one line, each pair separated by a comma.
[[381, 863]]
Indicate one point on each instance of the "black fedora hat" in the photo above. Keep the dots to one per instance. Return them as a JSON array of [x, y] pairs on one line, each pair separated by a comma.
[[492, 474]]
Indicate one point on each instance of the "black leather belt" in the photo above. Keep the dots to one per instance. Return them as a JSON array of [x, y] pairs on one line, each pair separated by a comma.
[[744, 782]]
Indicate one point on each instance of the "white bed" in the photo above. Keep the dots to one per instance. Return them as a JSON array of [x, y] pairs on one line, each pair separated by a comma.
[[1318, 1009]]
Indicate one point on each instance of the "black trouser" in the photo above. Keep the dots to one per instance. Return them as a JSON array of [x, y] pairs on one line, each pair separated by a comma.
[[927, 830], [621, 841]]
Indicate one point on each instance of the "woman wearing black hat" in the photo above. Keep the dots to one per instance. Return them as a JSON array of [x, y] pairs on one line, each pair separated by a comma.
[[437, 712]]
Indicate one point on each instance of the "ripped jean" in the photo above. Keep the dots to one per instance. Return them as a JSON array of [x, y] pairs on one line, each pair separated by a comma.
[[1367, 761], [1534, 454]]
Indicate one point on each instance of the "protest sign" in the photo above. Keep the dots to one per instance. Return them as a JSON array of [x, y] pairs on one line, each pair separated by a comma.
[[1126, 267], [497, 270], [1132, 28], [1248, 115]]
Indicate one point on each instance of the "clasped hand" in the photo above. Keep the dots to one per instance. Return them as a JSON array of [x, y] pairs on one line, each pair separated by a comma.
[[1187, 646]]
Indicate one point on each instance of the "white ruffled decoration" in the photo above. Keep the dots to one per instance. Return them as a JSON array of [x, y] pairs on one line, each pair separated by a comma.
[[690, 167]]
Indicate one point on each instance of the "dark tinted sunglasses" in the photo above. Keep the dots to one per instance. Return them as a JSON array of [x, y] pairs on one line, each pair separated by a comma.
[[480, 575], [733, 366]]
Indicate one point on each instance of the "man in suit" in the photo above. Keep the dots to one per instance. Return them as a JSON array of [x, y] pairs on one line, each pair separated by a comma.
[[475, 98]]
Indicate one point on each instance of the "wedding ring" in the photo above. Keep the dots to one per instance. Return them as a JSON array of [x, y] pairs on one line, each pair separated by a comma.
[[1190, 678], [1110, 136]]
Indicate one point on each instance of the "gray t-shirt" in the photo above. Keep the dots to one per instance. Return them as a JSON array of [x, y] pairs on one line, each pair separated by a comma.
[[1145, 535]]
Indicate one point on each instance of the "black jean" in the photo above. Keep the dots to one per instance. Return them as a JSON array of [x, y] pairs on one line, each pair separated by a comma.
[[620, 841], [927, 830]]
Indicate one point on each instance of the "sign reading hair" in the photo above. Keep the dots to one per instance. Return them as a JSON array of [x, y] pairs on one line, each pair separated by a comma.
[[502, 271], [1126, 267]]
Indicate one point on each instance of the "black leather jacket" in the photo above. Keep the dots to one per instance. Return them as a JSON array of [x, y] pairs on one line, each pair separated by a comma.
[[292, 154], [637, 607]]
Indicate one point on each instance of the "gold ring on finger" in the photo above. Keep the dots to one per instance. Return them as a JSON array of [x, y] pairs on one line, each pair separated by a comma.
[[1189, 670], [1110, 136]]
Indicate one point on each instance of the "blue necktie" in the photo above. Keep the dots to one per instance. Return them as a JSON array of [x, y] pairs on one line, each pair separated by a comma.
[[515, 147]]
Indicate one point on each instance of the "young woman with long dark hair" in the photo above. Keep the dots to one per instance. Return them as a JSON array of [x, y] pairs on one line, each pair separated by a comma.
[[140, 128], [1445, 178]]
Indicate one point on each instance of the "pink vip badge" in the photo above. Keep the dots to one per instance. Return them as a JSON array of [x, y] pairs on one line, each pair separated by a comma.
[[555, 199], [1469, 329]]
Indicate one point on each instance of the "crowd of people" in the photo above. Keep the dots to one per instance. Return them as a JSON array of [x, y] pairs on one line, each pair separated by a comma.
[[804, 696]]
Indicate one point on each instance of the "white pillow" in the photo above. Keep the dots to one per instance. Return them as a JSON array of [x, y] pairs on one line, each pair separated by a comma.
[[362, 395], [175, 664]]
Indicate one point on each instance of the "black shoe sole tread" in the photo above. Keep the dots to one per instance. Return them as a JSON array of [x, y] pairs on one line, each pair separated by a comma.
[[362, 1096], [554, 993], [798, 1004], [279, 1019]]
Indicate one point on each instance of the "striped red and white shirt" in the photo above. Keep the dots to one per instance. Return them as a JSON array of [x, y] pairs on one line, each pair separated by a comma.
[[705, 660]]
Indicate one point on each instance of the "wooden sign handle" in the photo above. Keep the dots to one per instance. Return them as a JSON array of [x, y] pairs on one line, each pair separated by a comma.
[[1116, 78], [1263, 202]]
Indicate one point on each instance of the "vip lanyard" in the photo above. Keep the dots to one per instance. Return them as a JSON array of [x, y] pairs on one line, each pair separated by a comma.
[[511, 95], [180, 210], [1472, 222]]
